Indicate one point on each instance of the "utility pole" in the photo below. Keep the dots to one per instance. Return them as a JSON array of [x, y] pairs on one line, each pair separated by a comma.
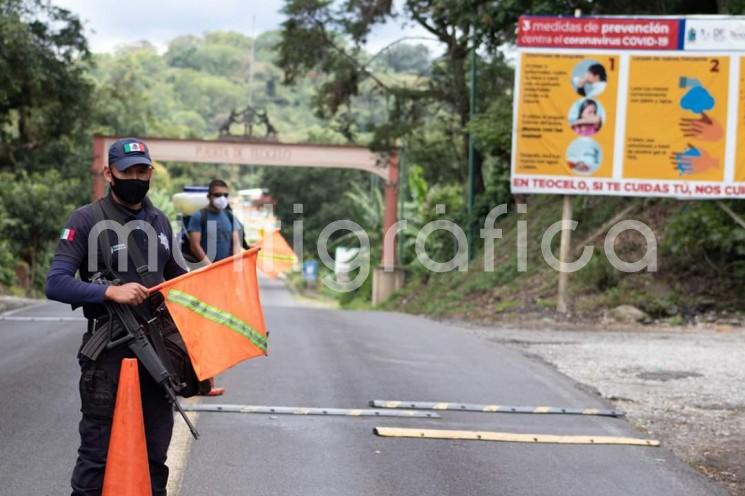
[[472, 149], [253, 61]]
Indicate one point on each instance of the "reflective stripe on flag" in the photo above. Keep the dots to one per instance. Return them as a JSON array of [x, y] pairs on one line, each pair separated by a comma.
[[218, 316]]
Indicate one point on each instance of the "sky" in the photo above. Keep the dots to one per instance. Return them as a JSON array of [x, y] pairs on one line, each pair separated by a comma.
[[109, 23]]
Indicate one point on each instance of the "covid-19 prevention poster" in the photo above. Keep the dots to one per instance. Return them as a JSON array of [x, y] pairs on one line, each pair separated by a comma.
[[630, 107]]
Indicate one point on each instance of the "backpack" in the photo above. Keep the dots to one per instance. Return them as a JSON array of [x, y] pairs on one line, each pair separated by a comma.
[[185, 244]]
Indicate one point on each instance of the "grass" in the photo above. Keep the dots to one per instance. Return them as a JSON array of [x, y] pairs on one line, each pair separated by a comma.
[[507, 305], [594, 289]]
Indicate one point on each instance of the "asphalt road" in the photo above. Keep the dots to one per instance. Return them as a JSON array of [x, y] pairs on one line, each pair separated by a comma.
[[337, 359]]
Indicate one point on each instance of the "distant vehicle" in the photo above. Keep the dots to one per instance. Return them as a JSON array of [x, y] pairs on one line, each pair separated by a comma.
[[255, 209], [342, 262]]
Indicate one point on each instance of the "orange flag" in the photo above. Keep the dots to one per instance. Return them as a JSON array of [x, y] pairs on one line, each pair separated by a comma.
[[276, 256], [218, 313]]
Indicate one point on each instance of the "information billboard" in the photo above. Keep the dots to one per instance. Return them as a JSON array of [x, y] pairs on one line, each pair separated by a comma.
[[630, 107]]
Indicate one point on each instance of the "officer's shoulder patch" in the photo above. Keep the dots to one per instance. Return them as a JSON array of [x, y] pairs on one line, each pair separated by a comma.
[[78, 224]]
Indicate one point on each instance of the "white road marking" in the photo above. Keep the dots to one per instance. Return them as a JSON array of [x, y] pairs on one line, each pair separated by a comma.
[[178, 452], [24, 308], [45, 318]]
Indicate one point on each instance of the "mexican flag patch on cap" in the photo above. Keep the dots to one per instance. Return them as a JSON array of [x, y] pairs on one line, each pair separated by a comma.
[[67, 234], [134, 147]]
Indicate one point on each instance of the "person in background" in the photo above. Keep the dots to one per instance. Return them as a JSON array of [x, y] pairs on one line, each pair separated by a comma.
[[214, 234]]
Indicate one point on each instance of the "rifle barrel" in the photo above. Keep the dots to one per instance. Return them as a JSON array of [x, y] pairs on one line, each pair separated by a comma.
[[149, 358]]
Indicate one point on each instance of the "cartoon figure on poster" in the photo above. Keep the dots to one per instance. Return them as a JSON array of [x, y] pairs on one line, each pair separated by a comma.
[[586, 117], [698, 100], [589, 78], [584, 156]]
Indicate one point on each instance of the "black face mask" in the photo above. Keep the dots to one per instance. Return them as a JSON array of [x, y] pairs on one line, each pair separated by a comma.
[[130, 191]]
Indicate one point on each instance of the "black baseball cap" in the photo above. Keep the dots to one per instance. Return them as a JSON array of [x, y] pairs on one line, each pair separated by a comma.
[[126, 152]]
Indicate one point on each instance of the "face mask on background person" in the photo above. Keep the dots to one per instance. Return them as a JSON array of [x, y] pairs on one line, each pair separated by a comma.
[[220, 202]]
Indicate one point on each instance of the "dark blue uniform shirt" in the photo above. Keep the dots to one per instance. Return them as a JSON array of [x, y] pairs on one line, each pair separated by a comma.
[[72, 256]]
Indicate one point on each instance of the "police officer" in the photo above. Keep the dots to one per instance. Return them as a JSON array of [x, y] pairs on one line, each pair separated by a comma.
[[128, 175]]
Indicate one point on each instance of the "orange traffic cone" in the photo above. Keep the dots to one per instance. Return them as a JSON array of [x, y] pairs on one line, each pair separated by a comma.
[[127, 471]]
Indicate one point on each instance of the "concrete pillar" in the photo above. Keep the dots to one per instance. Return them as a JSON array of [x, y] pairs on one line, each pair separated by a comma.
[[387, 279], [385, 283], [98, 183], [390, 215]]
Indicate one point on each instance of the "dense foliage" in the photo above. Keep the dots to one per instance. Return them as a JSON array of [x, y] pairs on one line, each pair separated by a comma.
[[318, 81], [55, 94], [45, 98]]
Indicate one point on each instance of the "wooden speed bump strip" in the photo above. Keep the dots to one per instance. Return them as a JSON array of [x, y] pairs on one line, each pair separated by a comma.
[[291, 410], [470, 407], [510, 437]]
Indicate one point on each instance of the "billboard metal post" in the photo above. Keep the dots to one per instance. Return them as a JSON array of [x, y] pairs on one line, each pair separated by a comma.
[[566, 240], [472, 149]]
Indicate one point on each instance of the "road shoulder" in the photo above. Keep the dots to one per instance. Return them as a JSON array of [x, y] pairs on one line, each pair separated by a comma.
[[678, 385]]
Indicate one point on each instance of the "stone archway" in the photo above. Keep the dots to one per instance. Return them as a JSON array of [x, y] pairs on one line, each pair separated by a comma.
[[386, 279]]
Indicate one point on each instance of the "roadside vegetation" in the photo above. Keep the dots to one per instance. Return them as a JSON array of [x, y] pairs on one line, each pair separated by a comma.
[[698, 279], [318, 81]]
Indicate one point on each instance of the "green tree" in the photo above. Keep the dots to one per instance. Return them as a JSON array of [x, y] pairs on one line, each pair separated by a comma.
[[407, 58], [220, 53], [44, 95], [135, 96], [322, 192], [35, 206], [45, 100], [331, 38]]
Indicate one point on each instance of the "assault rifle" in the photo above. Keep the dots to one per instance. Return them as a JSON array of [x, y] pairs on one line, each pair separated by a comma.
[[132, 333]]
